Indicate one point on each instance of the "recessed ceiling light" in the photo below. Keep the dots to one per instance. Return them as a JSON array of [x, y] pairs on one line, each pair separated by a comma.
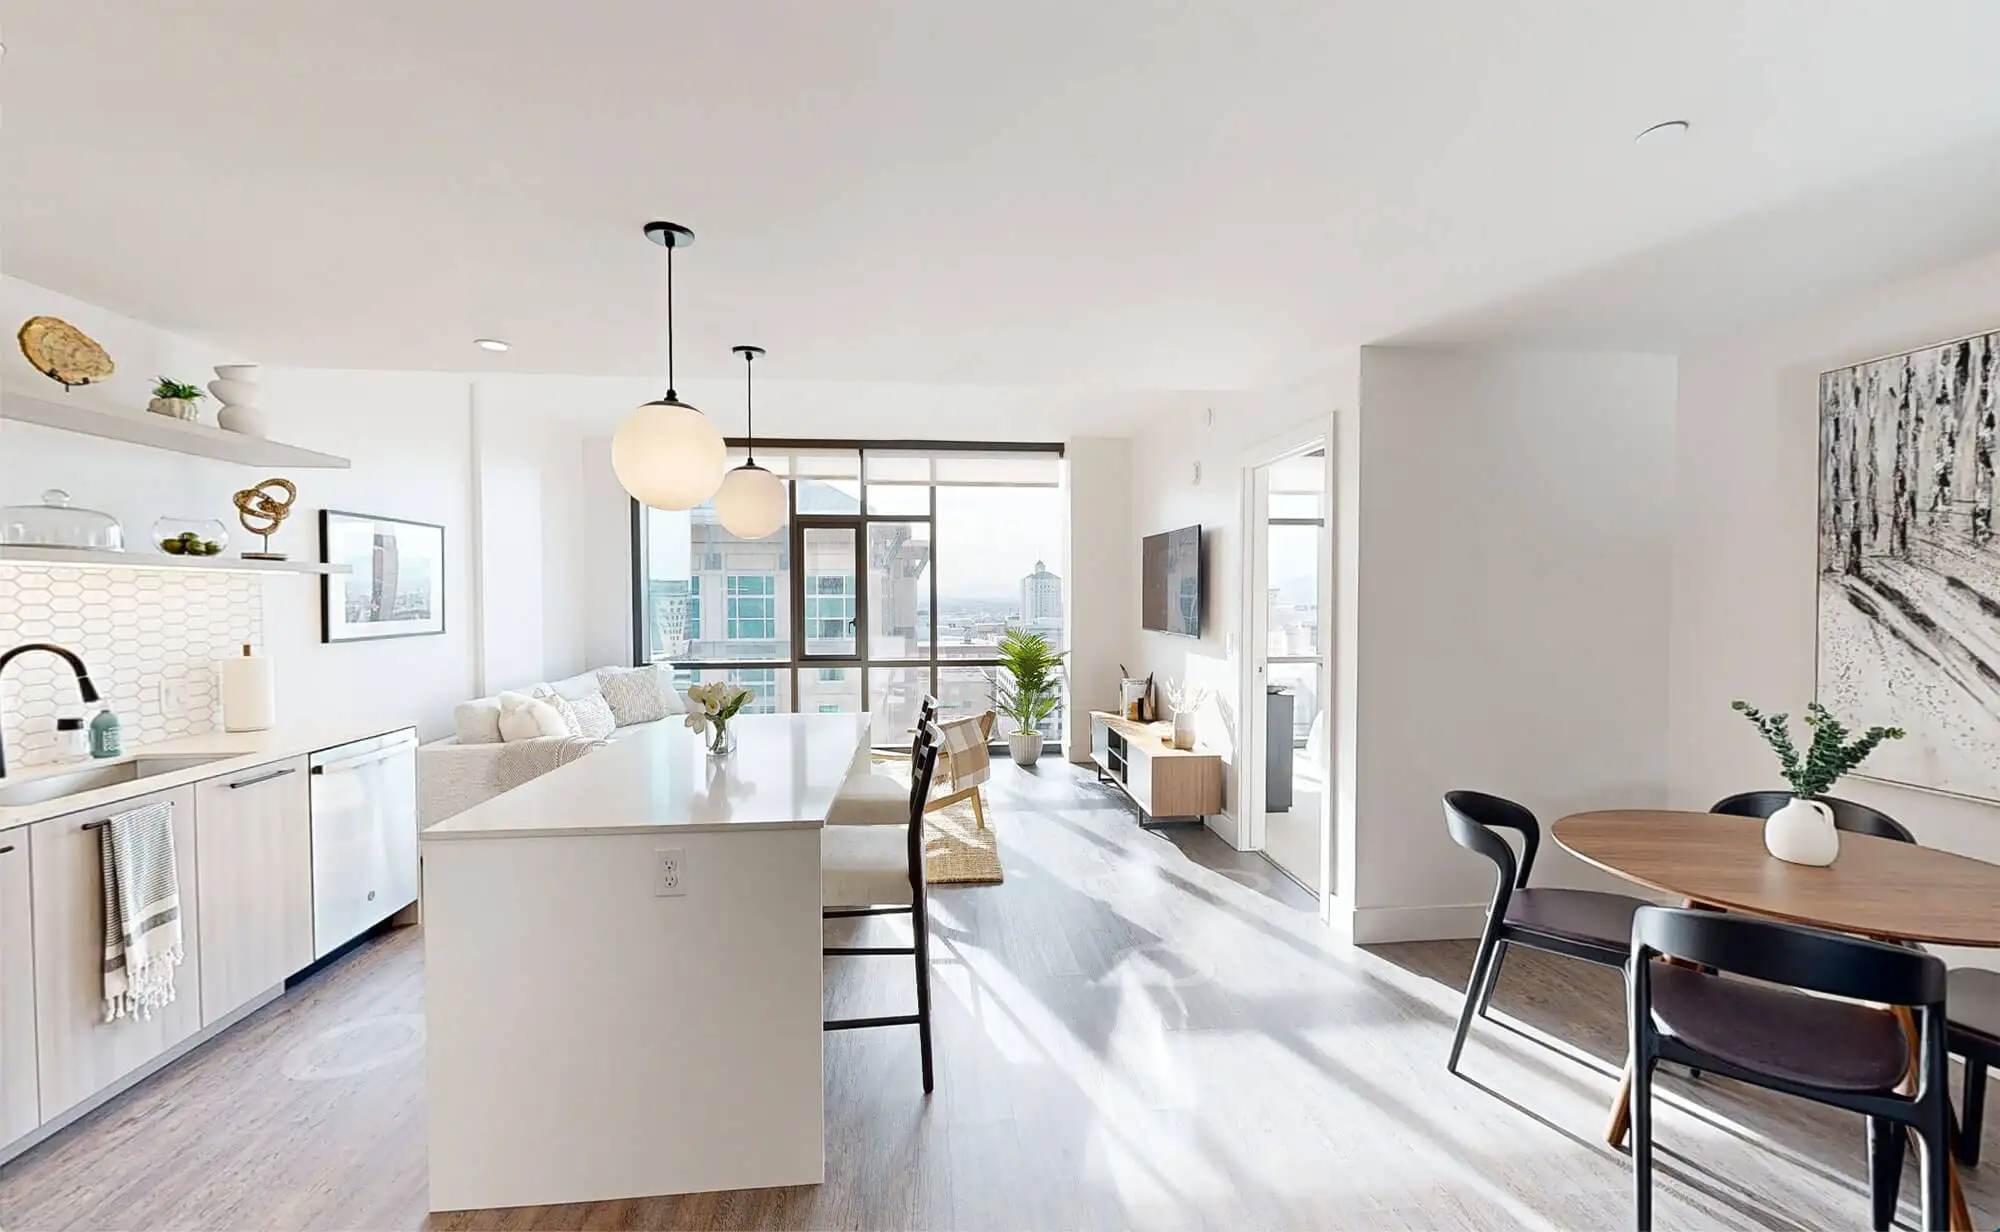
[[491, 344], [1665, 133]]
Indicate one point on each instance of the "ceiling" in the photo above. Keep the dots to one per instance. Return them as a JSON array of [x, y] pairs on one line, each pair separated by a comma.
[[1122, 194]]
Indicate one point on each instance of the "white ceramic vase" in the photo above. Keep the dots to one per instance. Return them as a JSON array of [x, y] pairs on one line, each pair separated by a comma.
[[1802, 832], [236, 388], [1183, 729], [1024, 747]]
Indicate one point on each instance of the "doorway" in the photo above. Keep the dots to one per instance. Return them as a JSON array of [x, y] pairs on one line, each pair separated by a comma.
[[1287, 644]]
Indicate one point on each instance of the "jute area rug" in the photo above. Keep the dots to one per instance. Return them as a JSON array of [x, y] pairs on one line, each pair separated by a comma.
[[956, 850]]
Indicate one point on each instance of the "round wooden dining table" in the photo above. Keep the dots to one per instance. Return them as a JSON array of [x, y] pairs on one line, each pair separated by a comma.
[[1877, 888]]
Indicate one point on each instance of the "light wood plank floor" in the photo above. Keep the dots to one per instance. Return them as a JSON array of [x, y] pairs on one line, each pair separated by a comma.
[[1136, 1030]]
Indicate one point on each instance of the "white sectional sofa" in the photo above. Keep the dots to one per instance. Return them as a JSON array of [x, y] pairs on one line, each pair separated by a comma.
[[475, 764]]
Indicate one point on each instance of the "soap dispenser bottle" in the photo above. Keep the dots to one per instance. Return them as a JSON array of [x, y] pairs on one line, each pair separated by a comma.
[[106, 736]]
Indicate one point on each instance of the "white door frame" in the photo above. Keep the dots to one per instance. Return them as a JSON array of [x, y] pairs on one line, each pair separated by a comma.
[[1316, 433]]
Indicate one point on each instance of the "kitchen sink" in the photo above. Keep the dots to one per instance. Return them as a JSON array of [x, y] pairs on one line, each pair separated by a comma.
[[90, 778]]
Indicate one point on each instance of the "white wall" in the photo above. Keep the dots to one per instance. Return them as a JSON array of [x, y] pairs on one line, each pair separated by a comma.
[[1514, 607], [1101, 573], [1745, 554]]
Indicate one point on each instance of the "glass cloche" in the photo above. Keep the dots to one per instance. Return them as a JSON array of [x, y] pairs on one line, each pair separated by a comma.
[[55, 523]]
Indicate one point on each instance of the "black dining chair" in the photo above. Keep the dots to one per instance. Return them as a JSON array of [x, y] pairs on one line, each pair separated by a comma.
[[879, 870], [1973, 1031], [1972, 1023], [1847, 815], [1786, 1039], [1587, 924]]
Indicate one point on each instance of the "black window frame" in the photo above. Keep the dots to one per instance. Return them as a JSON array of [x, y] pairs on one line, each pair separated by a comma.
[[795, 525]]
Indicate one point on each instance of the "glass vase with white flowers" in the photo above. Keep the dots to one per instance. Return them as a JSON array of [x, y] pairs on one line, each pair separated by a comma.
[[713, 705]]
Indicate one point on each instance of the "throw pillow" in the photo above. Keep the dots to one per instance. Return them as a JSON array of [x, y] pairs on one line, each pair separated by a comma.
[[638, 694], [477, 721], [528, 718], [573, 687], [561, 705], [593, 716]]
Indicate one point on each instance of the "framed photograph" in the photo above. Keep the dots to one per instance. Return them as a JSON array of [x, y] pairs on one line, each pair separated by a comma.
[[395, 583]]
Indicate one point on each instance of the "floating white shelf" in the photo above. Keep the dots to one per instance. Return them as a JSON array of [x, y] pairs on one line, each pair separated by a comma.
[[69, 414], [21, 554]]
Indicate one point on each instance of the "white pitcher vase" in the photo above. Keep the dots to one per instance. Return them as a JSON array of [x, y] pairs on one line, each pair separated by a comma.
[[1802, 832]]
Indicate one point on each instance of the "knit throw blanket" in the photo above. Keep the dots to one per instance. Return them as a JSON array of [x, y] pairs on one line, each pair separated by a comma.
[[521, 760], [142, 911]]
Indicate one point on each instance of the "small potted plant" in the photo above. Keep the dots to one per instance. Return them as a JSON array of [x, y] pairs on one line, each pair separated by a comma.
[[1802, 832], [1028, 691], [176, 399], [715, 704]]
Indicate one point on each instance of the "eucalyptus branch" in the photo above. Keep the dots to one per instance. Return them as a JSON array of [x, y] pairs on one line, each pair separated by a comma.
[[1830, 755]]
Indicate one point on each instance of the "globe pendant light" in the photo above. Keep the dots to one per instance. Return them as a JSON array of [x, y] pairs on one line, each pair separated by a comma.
[[666, 453], [751, 502]]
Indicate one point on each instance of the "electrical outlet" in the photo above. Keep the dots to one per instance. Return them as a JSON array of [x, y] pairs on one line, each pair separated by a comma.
[[669, 872], [173, 697]]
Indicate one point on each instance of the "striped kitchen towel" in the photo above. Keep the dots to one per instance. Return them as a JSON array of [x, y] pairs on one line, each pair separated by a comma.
[[142, 911]]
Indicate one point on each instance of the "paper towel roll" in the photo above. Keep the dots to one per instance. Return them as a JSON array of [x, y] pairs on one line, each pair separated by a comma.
[[249, 702]]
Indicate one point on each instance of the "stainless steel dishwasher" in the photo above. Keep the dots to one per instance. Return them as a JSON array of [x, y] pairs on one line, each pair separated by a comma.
[[364, 836]]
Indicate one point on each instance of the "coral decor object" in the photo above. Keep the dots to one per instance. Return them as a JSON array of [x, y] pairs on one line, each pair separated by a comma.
[[64, 353]]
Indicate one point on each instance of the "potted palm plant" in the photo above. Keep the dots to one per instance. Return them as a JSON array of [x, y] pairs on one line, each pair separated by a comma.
[[1028, 691]]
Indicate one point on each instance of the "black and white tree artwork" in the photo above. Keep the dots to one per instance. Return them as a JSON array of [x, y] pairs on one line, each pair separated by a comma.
[[1909, 573]]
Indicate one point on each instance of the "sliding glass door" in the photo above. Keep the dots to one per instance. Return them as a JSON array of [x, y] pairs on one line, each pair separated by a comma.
[[897, 572]]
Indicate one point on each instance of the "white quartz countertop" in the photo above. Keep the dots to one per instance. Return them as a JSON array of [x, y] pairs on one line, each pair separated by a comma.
[[660, 778], [233, 751]]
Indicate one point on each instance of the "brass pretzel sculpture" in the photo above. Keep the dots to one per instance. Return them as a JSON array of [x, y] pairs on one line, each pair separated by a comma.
[[262, 512]]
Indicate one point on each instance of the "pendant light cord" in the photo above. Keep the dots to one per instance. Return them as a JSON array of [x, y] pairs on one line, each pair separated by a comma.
[[671, 395], [749, 410]]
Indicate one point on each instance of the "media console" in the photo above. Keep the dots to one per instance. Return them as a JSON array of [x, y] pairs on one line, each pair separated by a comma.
[[1165, 782]]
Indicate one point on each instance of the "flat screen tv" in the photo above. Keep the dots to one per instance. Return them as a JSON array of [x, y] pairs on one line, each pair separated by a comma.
[[1170, 587]]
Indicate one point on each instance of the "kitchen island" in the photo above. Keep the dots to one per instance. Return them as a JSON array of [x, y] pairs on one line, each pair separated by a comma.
[[623, 971]]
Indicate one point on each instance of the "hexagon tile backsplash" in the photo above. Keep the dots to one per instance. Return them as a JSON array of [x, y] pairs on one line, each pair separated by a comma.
[[135, 629]]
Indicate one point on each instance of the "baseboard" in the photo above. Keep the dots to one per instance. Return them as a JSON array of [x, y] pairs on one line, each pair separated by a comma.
[[1380, 925], [1224, 827]]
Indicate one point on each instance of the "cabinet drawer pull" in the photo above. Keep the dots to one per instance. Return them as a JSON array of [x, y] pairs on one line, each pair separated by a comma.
[[255, 779], [94, 825], [4, 850]]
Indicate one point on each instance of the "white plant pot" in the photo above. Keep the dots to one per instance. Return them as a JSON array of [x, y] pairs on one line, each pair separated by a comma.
[[176, 408], [1802, 832], [1183, 729], [1024, 747]]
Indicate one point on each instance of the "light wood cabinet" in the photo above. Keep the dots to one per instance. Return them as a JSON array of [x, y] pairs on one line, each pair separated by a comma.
[[254, 833], [20, 1099], [79, 1054], [1162, 780]]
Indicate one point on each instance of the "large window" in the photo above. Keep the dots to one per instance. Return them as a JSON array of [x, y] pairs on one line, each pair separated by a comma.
[[895, 576]]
